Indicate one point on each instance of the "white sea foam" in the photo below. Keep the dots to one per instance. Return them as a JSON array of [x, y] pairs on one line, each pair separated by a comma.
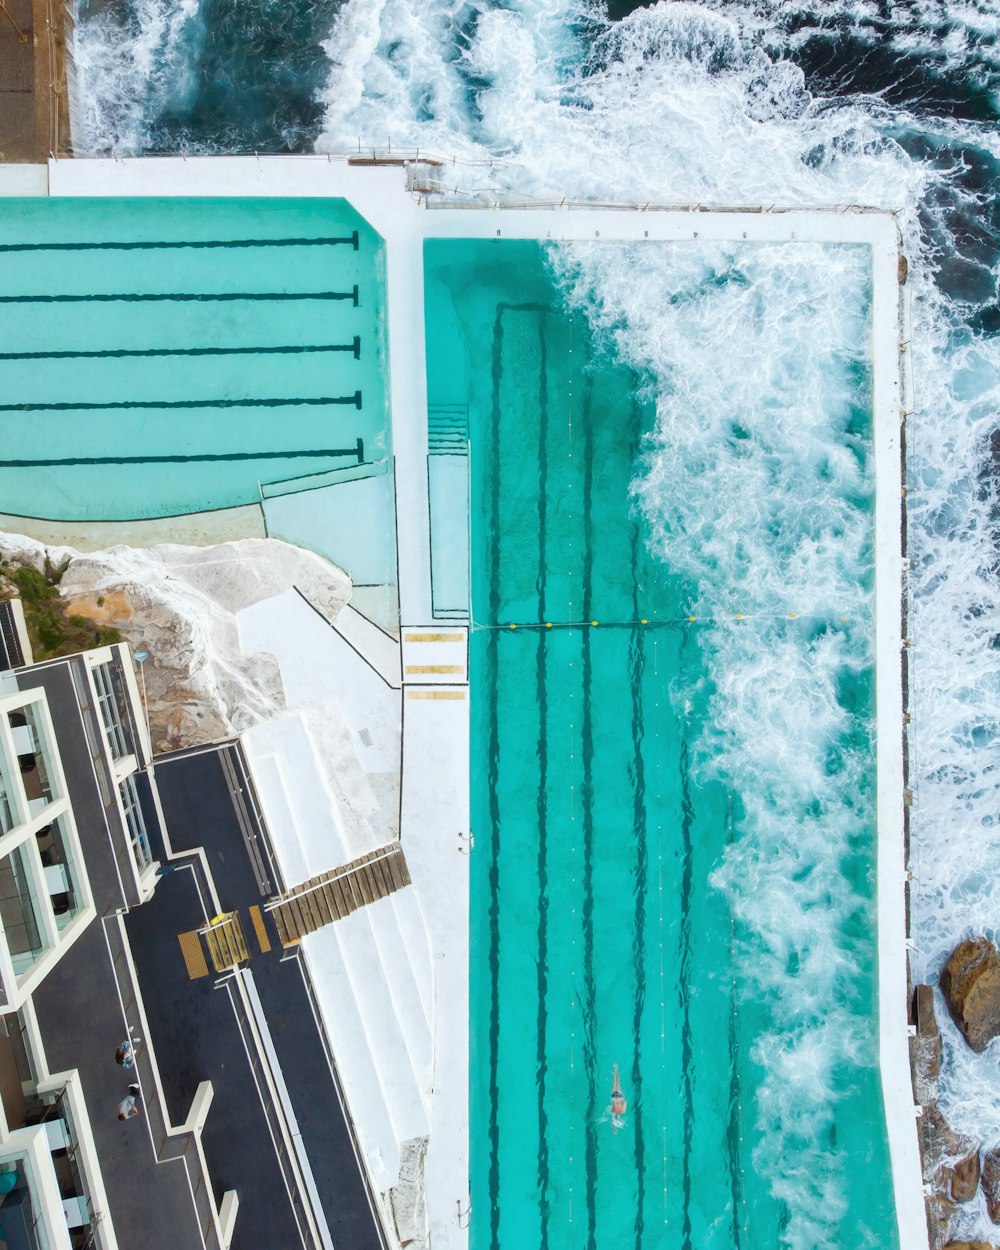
[[128, 69]]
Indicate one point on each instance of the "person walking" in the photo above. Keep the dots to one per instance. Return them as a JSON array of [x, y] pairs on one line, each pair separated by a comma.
[[127, 1107], [125, 1054]]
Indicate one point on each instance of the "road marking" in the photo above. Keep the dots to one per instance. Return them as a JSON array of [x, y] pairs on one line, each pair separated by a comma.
[[259, 929], [194, 956], [434, 638], [435, 668], [434, 694]]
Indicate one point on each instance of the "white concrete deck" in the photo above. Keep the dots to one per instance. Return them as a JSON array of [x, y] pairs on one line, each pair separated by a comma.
[[434, 801]]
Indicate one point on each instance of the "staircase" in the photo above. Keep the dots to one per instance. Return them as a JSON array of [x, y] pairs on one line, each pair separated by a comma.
[[334, 895]]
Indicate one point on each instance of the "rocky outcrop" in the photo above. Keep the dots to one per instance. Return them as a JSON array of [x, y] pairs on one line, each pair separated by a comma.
[[925, 1045], [971, 986], [951, 1165], [963, 1177], [180, 604], [970, 1245], [990, 1182]]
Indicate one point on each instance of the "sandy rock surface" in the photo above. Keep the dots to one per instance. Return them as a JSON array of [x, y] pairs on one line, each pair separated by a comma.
[[971, 986], [180, 604]]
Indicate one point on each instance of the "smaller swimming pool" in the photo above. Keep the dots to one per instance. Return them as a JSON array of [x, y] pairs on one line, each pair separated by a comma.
[[166, 356]]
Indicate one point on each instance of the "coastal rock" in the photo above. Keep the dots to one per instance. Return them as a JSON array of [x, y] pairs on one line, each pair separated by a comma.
[[963, 1178], [180, 604], [925, 1046], [990, 1182], [940, 1145], [971, 986], [940, 1210], [970, 1245]]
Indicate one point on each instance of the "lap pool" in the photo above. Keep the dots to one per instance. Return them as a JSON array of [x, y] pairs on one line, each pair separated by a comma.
[[673, 787], [166, 356]]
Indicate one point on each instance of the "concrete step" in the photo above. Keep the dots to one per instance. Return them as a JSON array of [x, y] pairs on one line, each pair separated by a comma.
[[403, 988], [353, 1055], [404, 1094], [415, 942]]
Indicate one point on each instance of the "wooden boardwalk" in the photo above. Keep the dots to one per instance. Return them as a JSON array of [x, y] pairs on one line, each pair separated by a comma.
[[336, 894]]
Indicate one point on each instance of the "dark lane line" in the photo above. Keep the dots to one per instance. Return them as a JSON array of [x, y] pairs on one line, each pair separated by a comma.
[[158, 245], [543, 781], [117, 353], [318, 401], [590, 988], [735, 1094], [132, 297], [637, 670], [493, 777], [684, 986], [225, 456]]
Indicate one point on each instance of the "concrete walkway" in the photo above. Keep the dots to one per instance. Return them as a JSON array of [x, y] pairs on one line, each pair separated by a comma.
[[34, 116]]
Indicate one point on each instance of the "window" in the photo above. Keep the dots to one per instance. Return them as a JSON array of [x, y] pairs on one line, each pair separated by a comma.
[[136, 824], [111, 703], [18, 912]]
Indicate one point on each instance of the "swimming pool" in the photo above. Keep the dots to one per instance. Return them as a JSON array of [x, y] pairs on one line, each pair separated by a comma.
[[604, 927], [165, 356]]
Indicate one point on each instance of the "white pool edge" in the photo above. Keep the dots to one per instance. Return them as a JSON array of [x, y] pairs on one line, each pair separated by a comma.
[[380, 196]]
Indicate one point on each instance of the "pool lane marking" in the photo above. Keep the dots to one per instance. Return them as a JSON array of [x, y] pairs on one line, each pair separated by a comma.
[[541, 697], [587, 752], [637, 670], [660, 622], [114, 245], [684, 984], [315, 453], [319, 401], [119, 353], [130, 297], [493, 779]]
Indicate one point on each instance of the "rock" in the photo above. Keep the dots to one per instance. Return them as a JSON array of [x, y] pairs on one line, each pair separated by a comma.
[[925, 1047], [940, 1145], [971, 986], [990, 1182], [970, 1245], [180, 604], [963, 1178], [940, 1209]]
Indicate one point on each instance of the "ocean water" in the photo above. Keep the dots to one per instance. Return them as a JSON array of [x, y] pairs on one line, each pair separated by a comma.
[[832, 102]]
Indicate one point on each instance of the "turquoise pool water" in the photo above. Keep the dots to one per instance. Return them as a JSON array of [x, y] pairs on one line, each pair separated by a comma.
[[599, 936], [165, 356]]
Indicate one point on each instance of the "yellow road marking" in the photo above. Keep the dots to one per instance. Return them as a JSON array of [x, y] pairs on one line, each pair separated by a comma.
[[194, 956], [434, 637], [435, 668], [258, 927], [434, 694]]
